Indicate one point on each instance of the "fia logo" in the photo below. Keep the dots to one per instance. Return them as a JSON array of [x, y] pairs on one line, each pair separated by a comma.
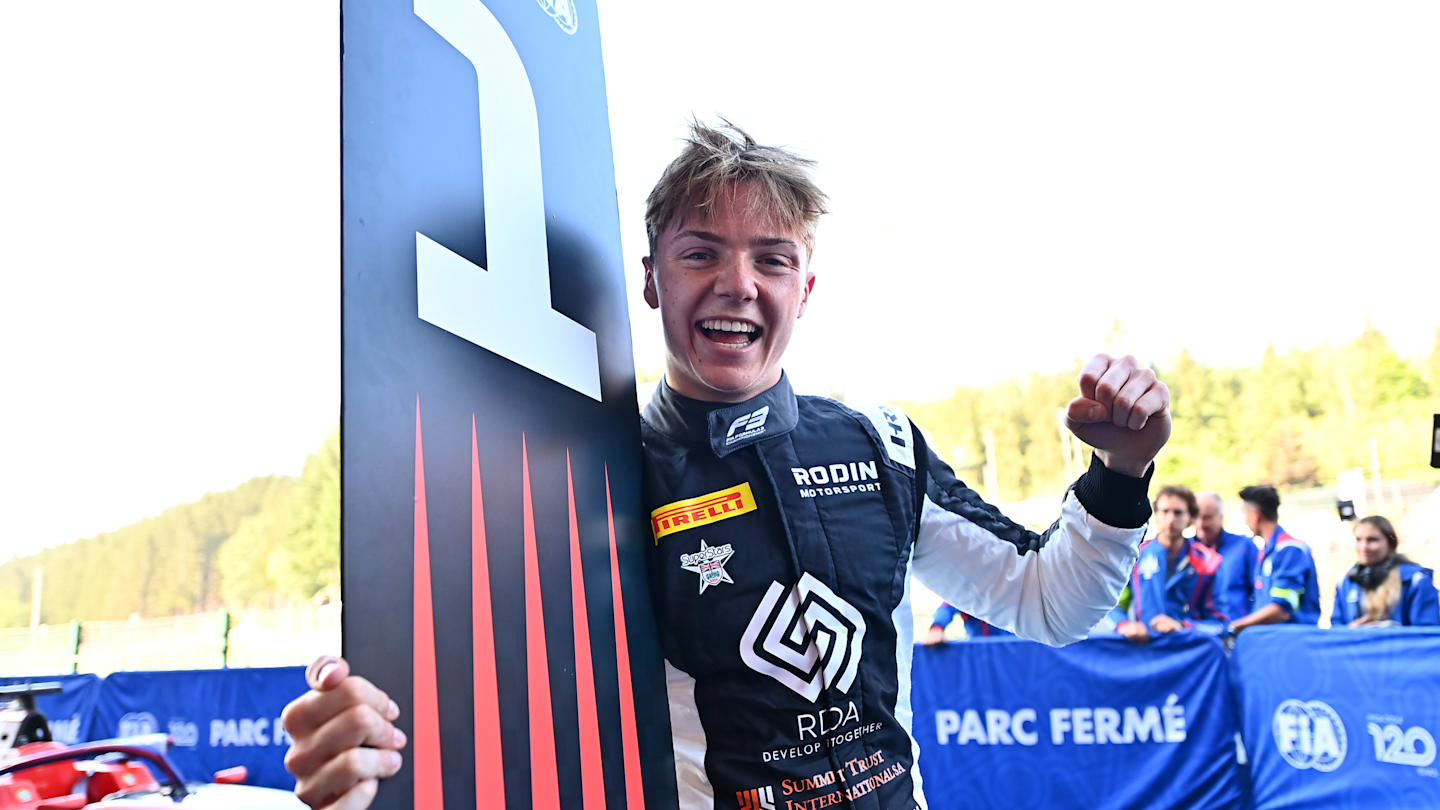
[[894, 431], [1396, 746], [137, 724], [806, 637], [1310, 735], [709, 563], [756, 799], [747, 425]]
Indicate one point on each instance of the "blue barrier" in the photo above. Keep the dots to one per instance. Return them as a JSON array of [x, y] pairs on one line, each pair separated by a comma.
[[1007, 723], [217, 718], [71, 711], [1341, 718], [1331, 718]]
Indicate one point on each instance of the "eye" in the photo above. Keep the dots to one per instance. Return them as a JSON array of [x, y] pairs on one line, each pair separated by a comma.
[[696, 255]]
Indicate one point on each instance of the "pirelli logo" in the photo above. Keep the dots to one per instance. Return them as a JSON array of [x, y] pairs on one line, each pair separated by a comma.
[[711, 508]]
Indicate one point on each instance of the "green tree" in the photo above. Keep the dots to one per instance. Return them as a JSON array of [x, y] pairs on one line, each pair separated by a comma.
[[310, 557], [243, 560], [163, 565]]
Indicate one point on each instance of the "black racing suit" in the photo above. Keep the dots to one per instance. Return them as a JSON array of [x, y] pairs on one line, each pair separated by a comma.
[[785, 533]]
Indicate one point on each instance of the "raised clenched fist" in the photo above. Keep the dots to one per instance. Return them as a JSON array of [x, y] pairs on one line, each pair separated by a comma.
[[1123, 411]]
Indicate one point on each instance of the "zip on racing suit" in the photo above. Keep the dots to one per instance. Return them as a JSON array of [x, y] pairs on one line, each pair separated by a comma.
[[785, 533]]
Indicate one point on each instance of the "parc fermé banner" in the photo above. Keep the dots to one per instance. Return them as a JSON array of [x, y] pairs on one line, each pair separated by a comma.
[[493, 559], [216, 719], [1344, 719], [1008, 723], [69, 711]]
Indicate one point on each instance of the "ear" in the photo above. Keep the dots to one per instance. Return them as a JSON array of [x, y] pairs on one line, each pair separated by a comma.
[[652, 297], [805, 296]]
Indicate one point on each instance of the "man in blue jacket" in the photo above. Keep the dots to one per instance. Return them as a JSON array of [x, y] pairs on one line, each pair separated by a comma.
[[974, 628], [1172, 586], [1239, 558], [1287, 590]]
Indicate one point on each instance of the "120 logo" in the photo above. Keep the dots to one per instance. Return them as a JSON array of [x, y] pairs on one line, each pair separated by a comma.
[[1397, 746]]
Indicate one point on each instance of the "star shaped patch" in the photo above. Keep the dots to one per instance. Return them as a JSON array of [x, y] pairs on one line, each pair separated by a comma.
[[709, 563]]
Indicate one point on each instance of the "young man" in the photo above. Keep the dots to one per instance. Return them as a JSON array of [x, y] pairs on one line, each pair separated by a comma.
[[795, 664], [1286, 590], [1172, 587], [1239, 558]]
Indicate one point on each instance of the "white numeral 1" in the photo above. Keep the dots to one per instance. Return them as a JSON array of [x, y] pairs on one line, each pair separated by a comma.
[[505, 309]]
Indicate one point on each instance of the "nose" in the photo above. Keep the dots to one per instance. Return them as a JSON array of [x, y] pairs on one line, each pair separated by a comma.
[[736, 279]]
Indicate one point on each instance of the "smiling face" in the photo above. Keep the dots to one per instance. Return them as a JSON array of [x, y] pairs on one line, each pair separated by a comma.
[[1371, 547], [729, 288]]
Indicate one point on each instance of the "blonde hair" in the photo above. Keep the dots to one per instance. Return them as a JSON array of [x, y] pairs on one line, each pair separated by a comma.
[[1379, 604], [714, 161]]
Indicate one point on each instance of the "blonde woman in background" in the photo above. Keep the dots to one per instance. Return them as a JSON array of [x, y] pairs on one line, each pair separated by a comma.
[[1384, 588]]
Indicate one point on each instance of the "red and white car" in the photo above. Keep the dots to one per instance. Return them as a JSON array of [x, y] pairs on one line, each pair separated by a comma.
[[127, 773]]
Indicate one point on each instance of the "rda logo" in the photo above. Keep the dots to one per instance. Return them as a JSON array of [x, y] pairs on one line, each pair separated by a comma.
[[1309, 734], [1396, 746], [805, 637], [757, 799], [135, 724]]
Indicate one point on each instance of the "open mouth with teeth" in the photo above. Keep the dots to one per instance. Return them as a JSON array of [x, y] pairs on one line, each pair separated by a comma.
[[737, 334]]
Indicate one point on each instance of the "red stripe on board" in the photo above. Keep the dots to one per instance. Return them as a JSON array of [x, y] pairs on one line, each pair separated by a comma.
[[634, 790], [429, 791], [544, 781], [489, 764], [592, 777]]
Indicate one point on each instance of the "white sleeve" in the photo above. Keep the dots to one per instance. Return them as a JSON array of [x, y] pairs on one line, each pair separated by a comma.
[[1052, 588]]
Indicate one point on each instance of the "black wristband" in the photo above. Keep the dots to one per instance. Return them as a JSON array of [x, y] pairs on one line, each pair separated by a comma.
[[1114, 498]]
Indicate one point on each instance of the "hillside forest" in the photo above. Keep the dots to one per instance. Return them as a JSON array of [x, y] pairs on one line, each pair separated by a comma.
[[1295, 419], [269, 541]]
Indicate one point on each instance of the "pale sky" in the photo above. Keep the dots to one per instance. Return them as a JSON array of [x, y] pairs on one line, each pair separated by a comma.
[[1006, 179]]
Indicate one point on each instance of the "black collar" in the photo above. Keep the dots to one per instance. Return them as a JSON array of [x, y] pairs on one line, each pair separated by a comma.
[[726, 427]]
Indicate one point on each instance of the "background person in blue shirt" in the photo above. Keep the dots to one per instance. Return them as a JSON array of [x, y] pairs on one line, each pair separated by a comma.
[[1286, 589], [1172, 585], [1239, 558], [1384, 587], [974, 628]]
